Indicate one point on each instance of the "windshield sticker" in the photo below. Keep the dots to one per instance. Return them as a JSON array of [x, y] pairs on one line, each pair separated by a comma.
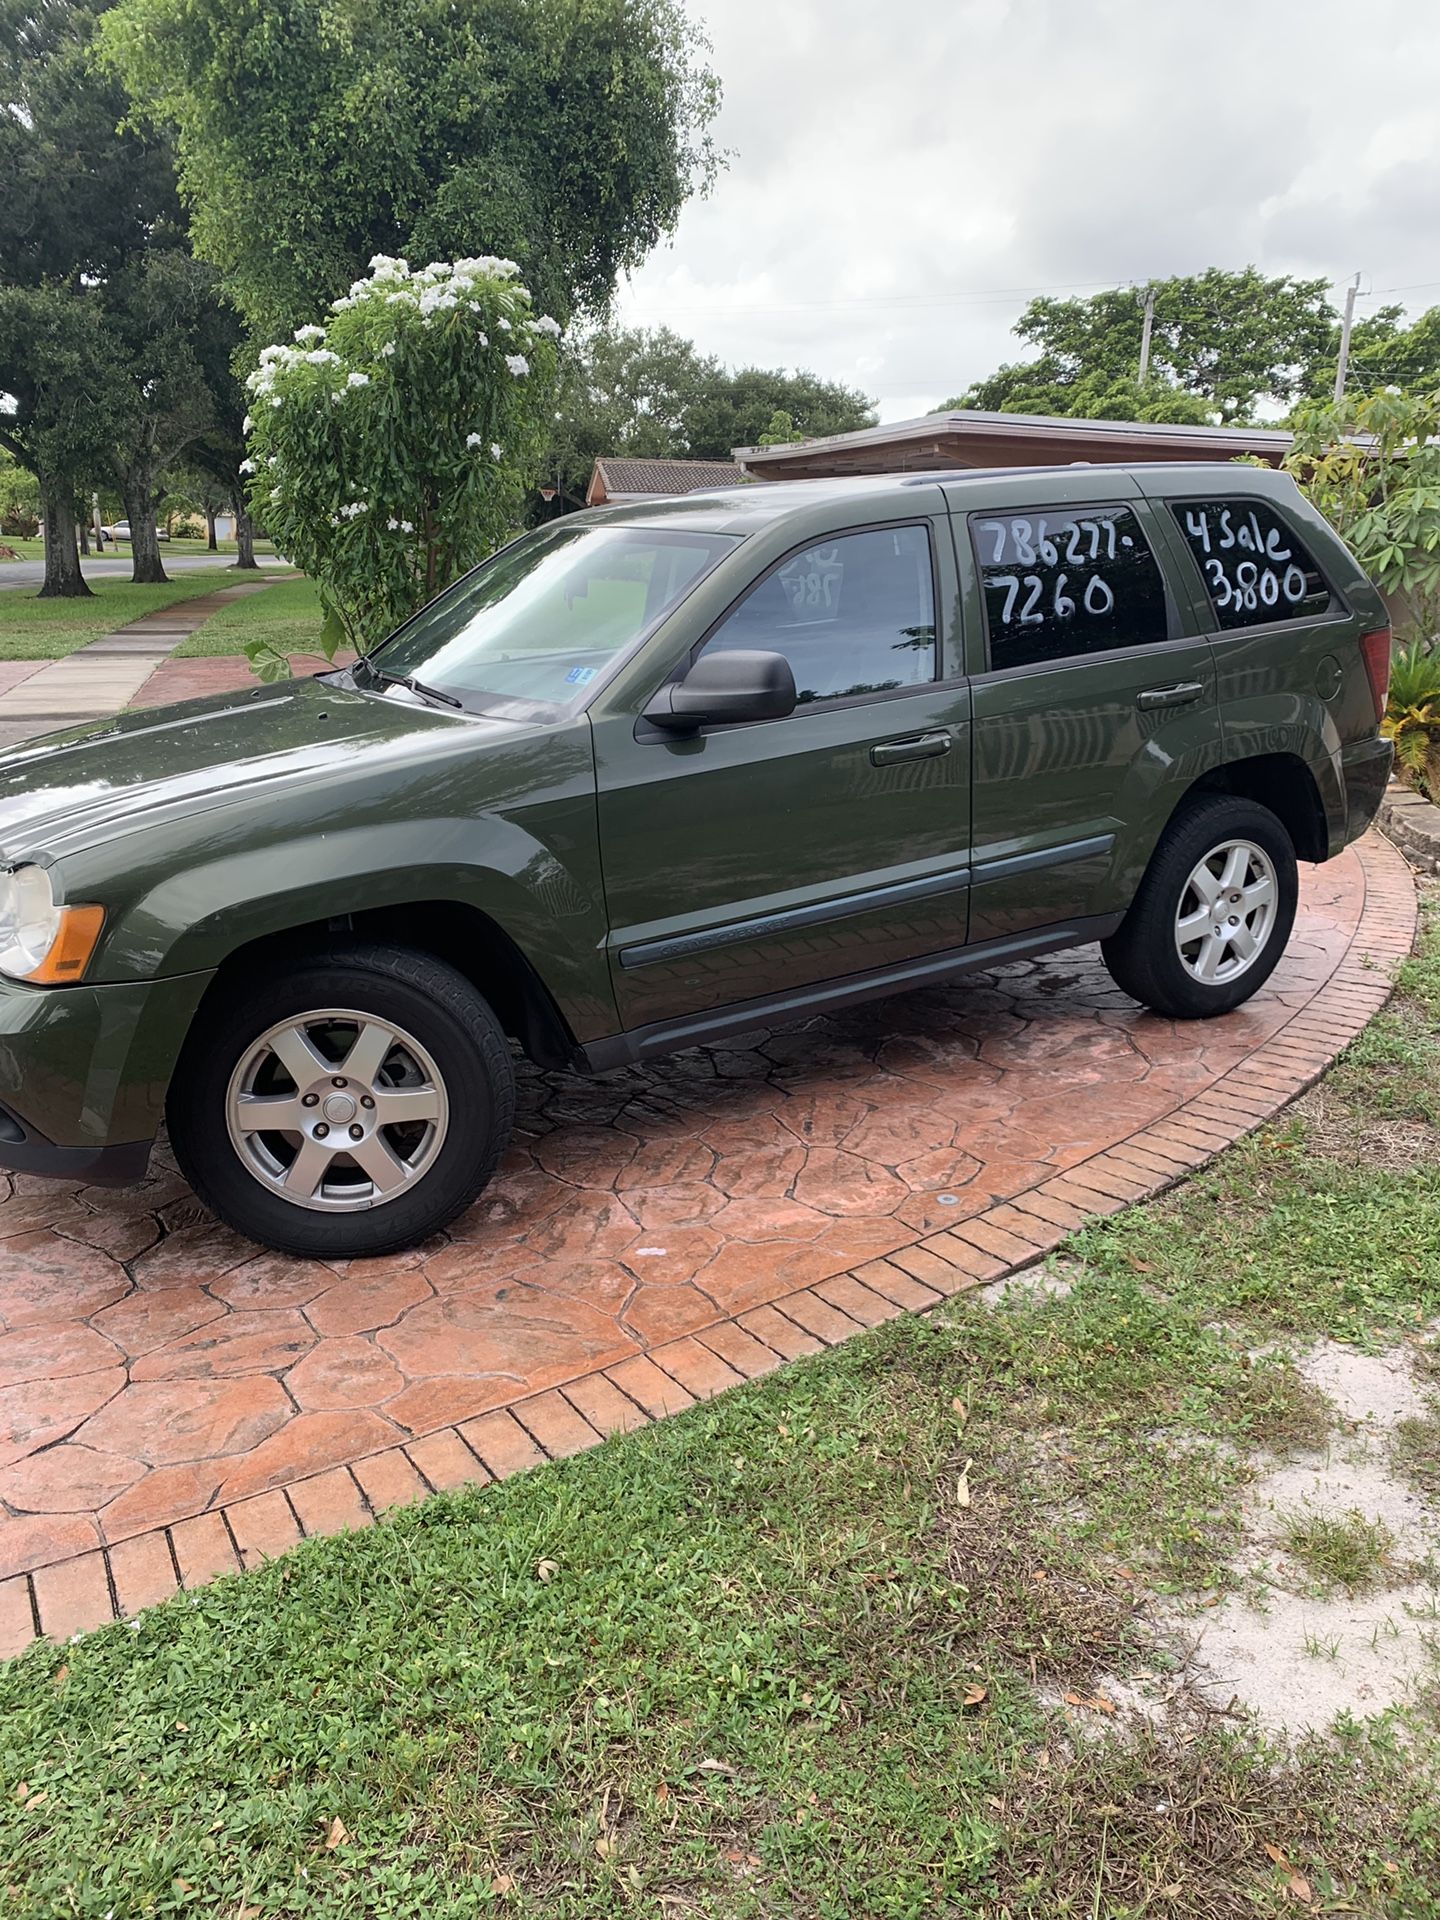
[[577, 676]]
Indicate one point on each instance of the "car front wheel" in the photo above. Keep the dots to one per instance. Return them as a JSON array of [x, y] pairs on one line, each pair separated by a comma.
[[350, 1104], [1212, 915]]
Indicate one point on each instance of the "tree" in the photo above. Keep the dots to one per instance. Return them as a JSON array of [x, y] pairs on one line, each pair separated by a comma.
[[1230, 340], [567, 133], [735, 410], [91, 216], [1372, 467], [19, 497], [650, 394], [391, 448], [53, 367], [1385, 353], [1094, 397]]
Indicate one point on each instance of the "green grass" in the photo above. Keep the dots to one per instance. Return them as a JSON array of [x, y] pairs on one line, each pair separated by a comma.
[[776, 1667], [287, 615], [802, 1653], [32, 629], [1339, 1550]]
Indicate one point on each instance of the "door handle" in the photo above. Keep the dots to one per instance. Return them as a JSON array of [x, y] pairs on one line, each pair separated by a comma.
[[1184, 695], [922, 746]]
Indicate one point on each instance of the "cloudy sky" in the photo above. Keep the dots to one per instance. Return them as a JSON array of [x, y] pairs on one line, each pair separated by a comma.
[[904, 176]]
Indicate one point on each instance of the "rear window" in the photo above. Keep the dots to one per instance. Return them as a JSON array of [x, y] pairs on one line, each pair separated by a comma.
[[1255, 569], [1067, 581]]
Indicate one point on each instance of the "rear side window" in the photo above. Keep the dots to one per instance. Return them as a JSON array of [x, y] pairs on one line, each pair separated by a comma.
[[1255, 569], [1066, 581]]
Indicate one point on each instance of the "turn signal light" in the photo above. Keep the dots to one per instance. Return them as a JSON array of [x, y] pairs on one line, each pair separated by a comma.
[[72, 947]]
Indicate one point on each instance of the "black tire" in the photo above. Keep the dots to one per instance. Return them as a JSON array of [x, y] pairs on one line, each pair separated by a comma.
[[1143, 956], [429, 1002]]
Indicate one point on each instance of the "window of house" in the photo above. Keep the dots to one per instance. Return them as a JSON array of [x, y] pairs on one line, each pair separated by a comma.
[[854, 615], [1255, 570], [1066, 581]]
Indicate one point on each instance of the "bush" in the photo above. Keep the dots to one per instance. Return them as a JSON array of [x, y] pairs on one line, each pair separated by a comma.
[[1412, 716], [391, 448]]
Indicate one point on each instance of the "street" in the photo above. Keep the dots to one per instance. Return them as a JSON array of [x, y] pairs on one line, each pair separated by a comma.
[[30, 573]]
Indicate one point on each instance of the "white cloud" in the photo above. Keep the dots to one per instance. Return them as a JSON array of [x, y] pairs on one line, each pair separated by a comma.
[[903, 178]]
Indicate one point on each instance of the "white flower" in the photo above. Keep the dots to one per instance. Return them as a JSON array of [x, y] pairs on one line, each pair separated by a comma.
[[518, 364], [400, 526], [388, 349], [302, 334], [246, 424], [483, 338], [357, 379], [505, 326], [274, 495], [353, 508], [497, 450], [400, 300], [247, 466], [335, 399], [544, 324], [322, 357], [276, 401], [473, 440]]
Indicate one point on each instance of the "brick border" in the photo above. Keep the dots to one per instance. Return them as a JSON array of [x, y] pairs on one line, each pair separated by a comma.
[[87, 1590], [1413, 823]]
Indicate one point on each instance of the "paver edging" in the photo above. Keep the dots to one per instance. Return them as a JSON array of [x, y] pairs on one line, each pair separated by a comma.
[[72, 1594]]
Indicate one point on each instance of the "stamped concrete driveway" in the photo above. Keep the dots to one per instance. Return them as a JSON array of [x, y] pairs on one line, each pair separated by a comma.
[[154, 1367]]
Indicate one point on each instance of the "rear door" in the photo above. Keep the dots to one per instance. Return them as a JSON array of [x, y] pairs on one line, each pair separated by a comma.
[[747, 861], [1094, 699]]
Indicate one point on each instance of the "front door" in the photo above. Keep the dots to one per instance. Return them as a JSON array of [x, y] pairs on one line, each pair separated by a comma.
[[1093, 710], [745, 861]]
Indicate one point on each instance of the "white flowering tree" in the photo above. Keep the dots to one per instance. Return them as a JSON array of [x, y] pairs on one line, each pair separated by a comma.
[[390, 449]]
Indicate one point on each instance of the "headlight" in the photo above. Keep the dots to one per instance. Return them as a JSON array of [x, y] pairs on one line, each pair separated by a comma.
[[38, 940]]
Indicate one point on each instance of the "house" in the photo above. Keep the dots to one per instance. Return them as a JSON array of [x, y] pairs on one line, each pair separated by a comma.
[[615, 480], [963, 437]]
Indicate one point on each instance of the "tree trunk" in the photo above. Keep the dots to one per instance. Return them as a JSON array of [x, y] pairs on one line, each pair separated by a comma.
[[145, 567], [63, 578], [210, 541], [83, 529], [245, 537]]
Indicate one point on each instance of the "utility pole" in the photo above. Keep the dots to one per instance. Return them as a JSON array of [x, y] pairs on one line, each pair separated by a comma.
[[1345, 325], [1145, 335]]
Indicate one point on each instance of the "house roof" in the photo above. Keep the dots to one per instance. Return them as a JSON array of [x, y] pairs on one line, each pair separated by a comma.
[[627, 479], [966, 437]]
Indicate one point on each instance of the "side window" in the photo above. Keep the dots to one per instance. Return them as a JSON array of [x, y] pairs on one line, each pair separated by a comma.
[[1255, 570], [1066, 581], [853, 615]]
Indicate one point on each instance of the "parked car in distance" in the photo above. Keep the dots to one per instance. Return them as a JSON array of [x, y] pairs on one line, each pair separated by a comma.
[[660, 773], [121, 531]]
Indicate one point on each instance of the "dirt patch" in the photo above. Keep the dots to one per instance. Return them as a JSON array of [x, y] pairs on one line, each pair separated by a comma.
[[1293, 1647]]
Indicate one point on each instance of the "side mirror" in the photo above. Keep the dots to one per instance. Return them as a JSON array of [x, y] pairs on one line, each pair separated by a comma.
[[724, 689]]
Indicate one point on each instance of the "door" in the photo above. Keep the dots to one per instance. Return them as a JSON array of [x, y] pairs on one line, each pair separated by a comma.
[[744, 861], [1093, 710]]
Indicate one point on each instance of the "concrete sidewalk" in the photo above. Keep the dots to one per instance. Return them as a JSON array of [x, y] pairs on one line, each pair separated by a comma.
[[98, 679]]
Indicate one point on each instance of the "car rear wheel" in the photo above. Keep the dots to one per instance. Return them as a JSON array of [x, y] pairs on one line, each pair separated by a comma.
[[1212, 915], [348, 1105]]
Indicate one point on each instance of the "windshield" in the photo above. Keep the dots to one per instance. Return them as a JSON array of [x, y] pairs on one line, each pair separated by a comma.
[[525, 635]]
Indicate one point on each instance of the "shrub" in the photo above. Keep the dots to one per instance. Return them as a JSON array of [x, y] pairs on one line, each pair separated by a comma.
[[1412, 715], [390, 448]]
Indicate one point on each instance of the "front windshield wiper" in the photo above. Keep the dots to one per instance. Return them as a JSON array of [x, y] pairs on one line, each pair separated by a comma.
[[409, 680]]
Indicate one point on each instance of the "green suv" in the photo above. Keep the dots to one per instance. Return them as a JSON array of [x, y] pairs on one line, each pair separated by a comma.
[[665, 772]]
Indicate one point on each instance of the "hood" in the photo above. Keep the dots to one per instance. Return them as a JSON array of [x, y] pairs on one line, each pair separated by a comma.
[[86, 784]]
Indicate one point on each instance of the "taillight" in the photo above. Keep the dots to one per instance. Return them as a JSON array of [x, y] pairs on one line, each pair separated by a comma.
[[1375, 652]]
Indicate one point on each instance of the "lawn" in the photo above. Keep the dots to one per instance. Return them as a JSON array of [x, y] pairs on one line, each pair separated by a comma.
[[32, 629], [35, 549], [834, 1647], [286, 614]]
